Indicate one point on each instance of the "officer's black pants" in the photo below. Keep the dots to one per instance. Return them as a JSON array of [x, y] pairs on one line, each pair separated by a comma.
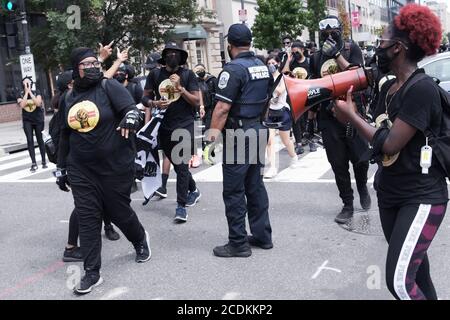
[[95, 196], [244, 192], [185, 182], [340, 150]]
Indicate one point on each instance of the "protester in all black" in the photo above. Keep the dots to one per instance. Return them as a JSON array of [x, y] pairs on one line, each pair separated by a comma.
[[207, 84], [412, 197], [342, 143], [176, 88], [125, 75], [96, 158], [30, 101]]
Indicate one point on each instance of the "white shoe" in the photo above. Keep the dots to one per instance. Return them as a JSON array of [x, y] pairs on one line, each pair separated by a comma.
[[293, 163], [271, 173]]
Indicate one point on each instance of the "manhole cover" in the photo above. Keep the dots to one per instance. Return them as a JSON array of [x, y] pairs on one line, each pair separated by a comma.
[[364, 222]]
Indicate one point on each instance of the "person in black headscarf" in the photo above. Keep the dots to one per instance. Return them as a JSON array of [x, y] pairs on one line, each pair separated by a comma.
[[96, 158]]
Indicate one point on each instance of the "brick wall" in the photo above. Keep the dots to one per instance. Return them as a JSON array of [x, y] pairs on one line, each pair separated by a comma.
[[10, 112]]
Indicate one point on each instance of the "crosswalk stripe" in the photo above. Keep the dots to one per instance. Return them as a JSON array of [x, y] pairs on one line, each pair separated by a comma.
[[18, 155]]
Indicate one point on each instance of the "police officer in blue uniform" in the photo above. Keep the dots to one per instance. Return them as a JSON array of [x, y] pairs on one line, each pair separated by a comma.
[[242, 91]]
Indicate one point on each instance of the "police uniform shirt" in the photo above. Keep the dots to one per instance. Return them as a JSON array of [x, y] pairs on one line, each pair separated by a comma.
[[402, 182], [92, 117], [233, 77], [179, 114], [31, 112]]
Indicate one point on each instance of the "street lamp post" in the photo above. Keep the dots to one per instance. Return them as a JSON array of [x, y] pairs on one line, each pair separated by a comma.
[[26, 37], [350, 18]]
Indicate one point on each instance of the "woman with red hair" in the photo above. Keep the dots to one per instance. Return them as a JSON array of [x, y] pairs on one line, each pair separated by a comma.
[[412, 196]]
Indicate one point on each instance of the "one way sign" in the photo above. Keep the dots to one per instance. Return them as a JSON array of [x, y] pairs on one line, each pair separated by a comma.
[[27, 67]]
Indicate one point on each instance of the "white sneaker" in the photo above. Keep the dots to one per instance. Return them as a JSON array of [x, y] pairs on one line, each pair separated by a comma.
[[271, 173], [293, 163]]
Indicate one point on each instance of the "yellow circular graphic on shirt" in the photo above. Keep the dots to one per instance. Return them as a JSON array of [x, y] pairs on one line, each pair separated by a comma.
[[300, 73], [31, 106], [329, 67], [83, 116], [168, 91]]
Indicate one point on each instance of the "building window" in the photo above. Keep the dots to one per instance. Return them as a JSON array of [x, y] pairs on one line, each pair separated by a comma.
[[199, 52]]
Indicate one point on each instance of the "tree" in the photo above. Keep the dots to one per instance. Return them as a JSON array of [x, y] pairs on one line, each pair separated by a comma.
[[141, 25], [316, 12], [275, 19], [345, 20]]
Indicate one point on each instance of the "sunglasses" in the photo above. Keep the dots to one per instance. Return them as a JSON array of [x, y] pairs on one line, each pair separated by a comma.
[[287, 42]]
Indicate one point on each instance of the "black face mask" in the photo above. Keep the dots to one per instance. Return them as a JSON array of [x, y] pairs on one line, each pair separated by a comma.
[[383, 60], [92, 77], [201, 74], [120, 77], [297, 56], [173, 61]]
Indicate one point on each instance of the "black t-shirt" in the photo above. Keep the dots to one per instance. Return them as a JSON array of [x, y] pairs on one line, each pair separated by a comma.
[[179, 114], [301, 68], [31, 112], [92, 117], [135, 91], [403, 182]]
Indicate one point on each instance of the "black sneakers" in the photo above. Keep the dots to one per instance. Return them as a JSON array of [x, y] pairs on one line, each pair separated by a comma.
[[299, 149], [72, 255], [345, 215], [143, 251], [161, 192], [44, 165], [110, 233], [256, 243], [88, 282], [193, 197], [364, 199], [34, 167], [228, 251]]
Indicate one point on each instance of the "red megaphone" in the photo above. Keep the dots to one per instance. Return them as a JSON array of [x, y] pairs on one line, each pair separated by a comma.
[[305, 94]]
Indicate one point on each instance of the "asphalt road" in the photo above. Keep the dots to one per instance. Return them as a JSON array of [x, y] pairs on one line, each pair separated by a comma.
[[312, 258]]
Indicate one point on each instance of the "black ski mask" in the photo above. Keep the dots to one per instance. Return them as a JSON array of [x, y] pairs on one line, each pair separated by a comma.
[[120, 77], [173, 61]]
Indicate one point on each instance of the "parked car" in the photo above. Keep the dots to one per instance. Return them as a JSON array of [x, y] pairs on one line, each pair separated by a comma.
[[438, 66]]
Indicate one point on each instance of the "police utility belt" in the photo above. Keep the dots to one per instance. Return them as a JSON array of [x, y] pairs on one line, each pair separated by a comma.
[[241, 123]]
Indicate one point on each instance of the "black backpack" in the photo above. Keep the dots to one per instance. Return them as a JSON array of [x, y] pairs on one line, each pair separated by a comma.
[[440, 142]]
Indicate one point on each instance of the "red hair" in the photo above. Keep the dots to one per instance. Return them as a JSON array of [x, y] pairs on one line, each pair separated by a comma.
[[422, 25]]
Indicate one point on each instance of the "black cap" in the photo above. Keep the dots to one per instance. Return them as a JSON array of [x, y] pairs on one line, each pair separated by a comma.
[[239, 35], [173, 46], [152, 60]]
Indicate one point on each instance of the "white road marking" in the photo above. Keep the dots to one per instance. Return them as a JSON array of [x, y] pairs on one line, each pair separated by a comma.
[[64, 221], [231, 296], [322, 267], [114, 293]]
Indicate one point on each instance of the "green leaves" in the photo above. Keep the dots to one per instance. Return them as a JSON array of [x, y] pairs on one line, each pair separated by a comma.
[[275, 19], [138, 24]]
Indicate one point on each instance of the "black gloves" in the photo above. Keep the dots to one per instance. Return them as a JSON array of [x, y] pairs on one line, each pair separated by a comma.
[[132, 120], [61, 179], [331, 49]]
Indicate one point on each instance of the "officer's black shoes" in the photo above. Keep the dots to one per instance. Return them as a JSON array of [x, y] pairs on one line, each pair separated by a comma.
[[110, 233], [256, 243], [143, 251], [299, 149], [228, 251], [180, 214], [34, 167], [88, 282], [345, 215], [312, 147], [72, 255], [134, 187], [193, 197], [161, 192], [44, 165], [364, 199]]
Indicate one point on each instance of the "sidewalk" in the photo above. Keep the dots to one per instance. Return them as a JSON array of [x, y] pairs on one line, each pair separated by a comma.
[[12, 137]]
